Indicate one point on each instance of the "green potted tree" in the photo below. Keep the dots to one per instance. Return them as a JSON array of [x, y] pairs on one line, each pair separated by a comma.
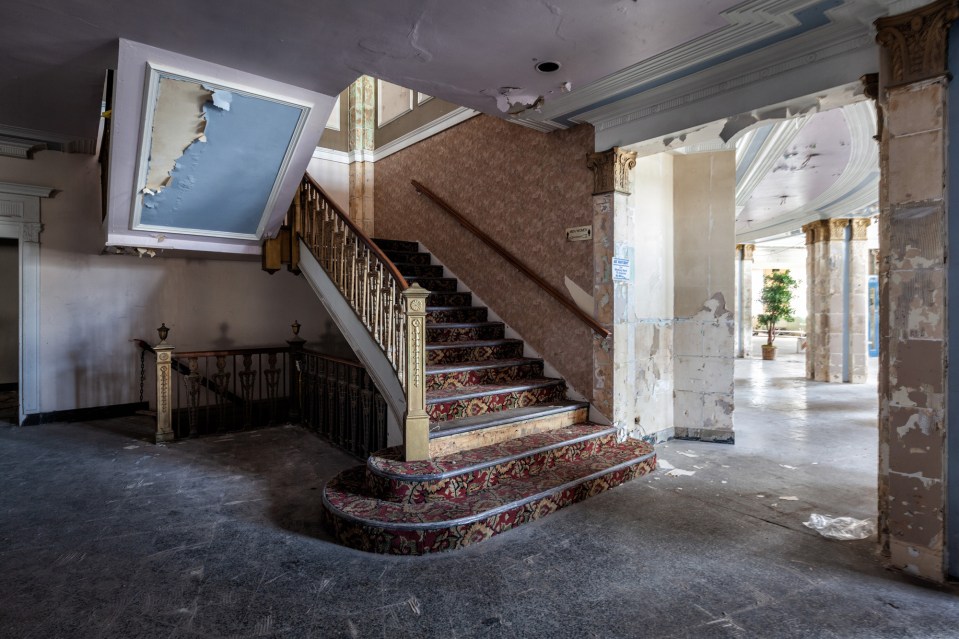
[[776, 297]]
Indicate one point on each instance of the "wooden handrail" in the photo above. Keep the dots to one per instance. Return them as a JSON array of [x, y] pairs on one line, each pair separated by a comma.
[[512, 259], [370, 244]]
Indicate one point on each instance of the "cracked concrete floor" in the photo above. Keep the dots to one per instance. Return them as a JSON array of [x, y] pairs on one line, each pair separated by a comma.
[[105, 535]]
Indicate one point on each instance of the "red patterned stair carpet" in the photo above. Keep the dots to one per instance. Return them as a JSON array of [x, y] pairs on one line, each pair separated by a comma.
[[541, 453]]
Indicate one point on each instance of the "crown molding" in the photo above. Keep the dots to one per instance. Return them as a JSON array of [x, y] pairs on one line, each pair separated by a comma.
[[331, 155], [776, 143], [419, 134], [29, 190]]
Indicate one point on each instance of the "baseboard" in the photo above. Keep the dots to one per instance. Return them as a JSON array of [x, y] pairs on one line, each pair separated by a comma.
[[85, 414], [9, 386], [711, 435]]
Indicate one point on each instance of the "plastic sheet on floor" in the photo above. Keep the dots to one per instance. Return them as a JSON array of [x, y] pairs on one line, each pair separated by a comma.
[[841, 528]]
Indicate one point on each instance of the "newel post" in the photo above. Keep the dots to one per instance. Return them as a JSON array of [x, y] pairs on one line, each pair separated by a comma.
[[164, 354], [417, 428]]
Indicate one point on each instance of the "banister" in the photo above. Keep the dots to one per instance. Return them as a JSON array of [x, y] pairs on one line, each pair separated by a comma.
[[376, 250], [512, 259]]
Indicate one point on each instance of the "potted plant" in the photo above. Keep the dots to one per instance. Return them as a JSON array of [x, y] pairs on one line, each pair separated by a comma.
[[776, 297]]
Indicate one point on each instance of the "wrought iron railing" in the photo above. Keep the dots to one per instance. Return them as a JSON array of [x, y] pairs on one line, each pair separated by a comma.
[[205, 392], [340, 402], [392, 311]]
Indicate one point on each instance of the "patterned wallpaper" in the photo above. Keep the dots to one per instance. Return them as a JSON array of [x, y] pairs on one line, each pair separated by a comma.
[[521, 187]]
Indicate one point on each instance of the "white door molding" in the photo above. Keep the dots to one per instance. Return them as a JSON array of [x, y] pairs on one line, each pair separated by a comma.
[[20, 219]]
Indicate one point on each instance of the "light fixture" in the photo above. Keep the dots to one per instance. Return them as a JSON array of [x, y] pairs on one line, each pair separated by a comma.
[[548, 66]]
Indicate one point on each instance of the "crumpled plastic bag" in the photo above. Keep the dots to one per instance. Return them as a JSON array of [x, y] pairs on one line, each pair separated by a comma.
[[841, 528]]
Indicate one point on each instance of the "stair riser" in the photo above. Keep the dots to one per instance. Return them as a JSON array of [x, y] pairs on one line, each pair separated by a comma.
[[402, 257], [498, 375], [457, 315], [450, 299], [456, 355], [454, 409], [449, 444], [397, 245], [435, 284], [464, 333], [458, 486], [420, 270], [382, 539]]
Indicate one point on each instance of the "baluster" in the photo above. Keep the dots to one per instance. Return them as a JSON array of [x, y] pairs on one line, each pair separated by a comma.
[[221, 380], [247, 379], [353, 423], [193, 396], [272, 376]]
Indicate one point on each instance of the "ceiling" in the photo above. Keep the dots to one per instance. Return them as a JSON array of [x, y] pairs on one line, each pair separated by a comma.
[[637, 70]]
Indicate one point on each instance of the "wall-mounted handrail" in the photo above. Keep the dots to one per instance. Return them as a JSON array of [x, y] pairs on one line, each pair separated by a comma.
[[512, 259]]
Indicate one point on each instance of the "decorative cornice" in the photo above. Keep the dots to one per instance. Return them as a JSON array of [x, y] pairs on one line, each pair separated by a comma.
[[748, 22], [917, 41], [775, 144], [26, 189], [611, 170], [331, 155]]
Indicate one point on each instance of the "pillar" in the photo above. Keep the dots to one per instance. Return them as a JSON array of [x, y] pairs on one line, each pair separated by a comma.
[[836, 270], [164, 377], [914, 285], [361, 127], [744, 299], [416, 432], [614, 357]]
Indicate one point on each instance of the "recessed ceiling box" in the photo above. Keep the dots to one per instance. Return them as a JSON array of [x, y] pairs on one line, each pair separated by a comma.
[[204, 157]]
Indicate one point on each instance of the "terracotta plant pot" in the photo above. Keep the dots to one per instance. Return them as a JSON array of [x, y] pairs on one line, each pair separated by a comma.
[[769, 352]]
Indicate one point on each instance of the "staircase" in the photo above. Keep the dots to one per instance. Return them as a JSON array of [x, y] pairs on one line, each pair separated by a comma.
[[506, 445]]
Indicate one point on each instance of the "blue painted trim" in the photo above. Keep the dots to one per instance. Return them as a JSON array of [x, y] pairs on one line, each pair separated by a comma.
[[952, 314], [809, 18], [749, 156]]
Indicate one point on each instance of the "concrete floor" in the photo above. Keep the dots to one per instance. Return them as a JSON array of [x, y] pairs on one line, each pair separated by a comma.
[[105, 535]]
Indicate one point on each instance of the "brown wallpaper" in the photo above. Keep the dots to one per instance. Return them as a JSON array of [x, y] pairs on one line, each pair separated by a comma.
[[521, 187]]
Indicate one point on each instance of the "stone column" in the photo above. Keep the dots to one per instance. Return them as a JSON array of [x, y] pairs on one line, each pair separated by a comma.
[[858, 333], [614, 358], [812, 295], [744, 299], [913, 289], [361, 127]]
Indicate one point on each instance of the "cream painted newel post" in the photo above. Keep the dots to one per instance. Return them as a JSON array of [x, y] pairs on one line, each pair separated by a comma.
[[417, 432], [164, 353]]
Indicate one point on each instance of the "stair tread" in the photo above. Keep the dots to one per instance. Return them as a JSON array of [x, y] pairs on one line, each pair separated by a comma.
[[461, 324], [472, 343], [347, 494], [389, 462], [450, 427], [481, 390], [478, 364]]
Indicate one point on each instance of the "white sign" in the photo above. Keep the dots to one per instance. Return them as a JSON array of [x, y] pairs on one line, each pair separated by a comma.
[[621, 269], [579, 233]]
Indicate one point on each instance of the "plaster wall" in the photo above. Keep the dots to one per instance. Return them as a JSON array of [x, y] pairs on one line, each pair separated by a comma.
[[521, 187], [704, 187], [651, 201], [9, 307], [334, 177], [92, 304]]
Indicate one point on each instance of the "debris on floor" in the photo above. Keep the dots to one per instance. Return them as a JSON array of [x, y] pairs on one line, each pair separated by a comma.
[[679, 472], [842, 528]]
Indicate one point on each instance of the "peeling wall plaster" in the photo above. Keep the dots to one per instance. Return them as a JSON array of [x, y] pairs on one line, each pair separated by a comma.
[[178, 122]]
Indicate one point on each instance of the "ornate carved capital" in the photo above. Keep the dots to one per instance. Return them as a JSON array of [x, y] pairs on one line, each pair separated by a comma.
[[611, 170], [31, 231], [835, 228], [812, 232], [917, 41], [748, 250], [859, 226]]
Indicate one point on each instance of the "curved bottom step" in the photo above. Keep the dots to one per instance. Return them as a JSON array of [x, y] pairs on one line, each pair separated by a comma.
[[361, 521]]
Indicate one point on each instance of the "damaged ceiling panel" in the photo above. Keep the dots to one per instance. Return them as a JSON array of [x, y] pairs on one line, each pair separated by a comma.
[[213, 158]]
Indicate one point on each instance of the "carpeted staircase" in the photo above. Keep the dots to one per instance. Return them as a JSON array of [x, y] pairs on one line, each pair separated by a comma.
[[507, 446]]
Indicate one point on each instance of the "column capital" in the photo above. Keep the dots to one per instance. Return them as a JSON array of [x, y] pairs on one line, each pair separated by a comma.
[[917, 40], [748, 250], [835, 228], [859, 226], [611, 170]]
